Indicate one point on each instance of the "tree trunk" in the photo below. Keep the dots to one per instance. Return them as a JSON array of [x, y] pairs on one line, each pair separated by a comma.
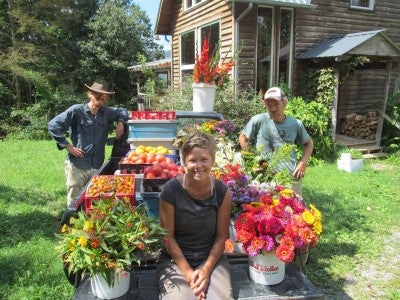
[[15, 80]]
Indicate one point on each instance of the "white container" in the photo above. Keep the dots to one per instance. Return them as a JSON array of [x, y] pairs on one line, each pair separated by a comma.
[[203, 97], [154, 142], [266, 269], [101, 289], [351, 165], [345, 156]]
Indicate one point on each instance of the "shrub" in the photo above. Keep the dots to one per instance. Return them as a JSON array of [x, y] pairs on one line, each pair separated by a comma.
[[390, 134]]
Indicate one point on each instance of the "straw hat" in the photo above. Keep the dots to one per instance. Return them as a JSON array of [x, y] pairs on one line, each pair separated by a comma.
[[98, 88]]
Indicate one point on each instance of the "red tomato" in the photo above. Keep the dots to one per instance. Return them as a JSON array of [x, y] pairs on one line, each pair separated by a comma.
[[181, 169], [143, 156], [150, 176], [149, 160], [140, 161], [172, 173], [157, 170], [163, 176], [169, 160], [148, 170], [173, 167]]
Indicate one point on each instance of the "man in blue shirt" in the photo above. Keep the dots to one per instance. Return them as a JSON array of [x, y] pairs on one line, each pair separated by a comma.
[[270, 130], [88, 125]]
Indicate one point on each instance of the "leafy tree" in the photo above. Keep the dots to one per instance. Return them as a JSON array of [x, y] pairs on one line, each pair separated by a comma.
[[117, 34]]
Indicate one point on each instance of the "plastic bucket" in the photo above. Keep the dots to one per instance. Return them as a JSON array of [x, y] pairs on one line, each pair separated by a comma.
[[203, 97], [102, 290], [266, 269]]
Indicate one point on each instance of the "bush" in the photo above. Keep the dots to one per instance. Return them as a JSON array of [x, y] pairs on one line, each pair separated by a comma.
[[30, 122], [316, 118], [390, 134]]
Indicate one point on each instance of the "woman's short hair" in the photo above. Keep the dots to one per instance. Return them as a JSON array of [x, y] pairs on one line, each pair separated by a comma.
[[201, 140]]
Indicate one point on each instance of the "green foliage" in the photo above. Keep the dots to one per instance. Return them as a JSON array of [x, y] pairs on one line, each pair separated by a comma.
[[355, 154], [117, 33], [316, 118], [391, 134]]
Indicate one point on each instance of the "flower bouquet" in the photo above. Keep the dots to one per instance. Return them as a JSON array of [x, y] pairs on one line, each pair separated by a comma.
[[108, 239], [278, 222], [219, 129], [207, 68]]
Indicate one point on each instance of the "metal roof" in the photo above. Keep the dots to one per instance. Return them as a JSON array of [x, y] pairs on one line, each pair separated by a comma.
[[290, 3], [338, 46], [157, 64]]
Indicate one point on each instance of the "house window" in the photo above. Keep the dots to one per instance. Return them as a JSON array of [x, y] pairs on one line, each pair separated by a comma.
[[212, 31], [191, 3], [264, 47], [191, 44], [274, 46], [362, 4]]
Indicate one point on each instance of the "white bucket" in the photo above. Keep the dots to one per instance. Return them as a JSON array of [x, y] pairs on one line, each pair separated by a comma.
[[203, 97], [101, 289], [266, 269]]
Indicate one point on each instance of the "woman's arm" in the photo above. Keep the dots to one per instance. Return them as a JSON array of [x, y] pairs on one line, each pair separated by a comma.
[[167, 218], [201, 276]]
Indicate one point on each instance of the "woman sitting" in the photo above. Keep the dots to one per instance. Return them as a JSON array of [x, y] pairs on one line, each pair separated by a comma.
[[195, 210]]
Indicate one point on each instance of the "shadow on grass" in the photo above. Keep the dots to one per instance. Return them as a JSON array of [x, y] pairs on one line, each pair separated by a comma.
[[30, 217], [339, 217]]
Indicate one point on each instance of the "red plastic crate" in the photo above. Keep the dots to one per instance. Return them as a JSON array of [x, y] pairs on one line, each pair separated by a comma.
[[110, 192], [153, 115]]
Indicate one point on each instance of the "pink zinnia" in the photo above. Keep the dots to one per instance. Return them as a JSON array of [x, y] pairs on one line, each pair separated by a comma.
[[268, 243], [271, 226]]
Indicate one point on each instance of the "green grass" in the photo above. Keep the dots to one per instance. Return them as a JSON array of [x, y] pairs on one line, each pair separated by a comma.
[[357, 255]]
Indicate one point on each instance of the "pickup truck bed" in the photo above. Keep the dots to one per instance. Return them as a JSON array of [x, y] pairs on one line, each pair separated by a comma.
[[144, 283]]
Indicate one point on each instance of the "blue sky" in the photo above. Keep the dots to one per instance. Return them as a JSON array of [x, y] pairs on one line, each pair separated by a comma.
[[151, 8]]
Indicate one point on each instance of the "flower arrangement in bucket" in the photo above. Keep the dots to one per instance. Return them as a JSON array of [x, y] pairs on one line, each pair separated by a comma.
[[207, 74], [219, 129], [272, 229], [106, 241]]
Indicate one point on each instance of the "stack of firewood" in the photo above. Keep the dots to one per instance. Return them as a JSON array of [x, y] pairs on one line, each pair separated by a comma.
[[360, 126]]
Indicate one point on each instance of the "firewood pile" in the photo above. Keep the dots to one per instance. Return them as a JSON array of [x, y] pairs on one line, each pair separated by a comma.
[[360, 126]]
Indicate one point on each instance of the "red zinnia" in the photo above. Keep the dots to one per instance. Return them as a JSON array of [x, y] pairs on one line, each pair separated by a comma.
[[285, 254]]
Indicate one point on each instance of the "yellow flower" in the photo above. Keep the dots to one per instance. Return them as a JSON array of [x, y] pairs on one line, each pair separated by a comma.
[[308, 217], [317, 228], [64, 228], [317, 214], [82, 241], [88, 225], [275, 202], [286, 193], [71, 246]]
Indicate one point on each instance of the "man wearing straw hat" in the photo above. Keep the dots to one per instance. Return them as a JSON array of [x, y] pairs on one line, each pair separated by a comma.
[[88, 125]]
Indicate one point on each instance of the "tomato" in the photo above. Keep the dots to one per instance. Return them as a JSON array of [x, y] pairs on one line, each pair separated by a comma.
[[149, 160], [150, 176], [140, 161], [164, 176], [181, 169], [173, 167], [172, 173], [160, 158], [143, 156], [148, 170], [169, 160], [157, 170]]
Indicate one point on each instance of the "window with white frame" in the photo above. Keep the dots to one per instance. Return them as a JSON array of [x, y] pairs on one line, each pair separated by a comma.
[[190, 3], [362, 4], [191, 43]]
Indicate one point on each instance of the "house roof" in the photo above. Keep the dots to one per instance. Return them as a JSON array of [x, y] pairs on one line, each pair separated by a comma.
[[155, 65], [290, 3], [165, 12], [368, 43]]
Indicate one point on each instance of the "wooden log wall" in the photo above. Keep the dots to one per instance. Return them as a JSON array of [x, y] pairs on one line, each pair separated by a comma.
[[331, 18], [196, 17]]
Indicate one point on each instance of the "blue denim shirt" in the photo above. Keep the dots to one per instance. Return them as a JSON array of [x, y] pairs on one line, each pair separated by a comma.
[[87, 131]]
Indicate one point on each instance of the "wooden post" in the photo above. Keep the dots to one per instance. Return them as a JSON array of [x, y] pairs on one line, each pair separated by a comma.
[[384, 102], [335, 105]]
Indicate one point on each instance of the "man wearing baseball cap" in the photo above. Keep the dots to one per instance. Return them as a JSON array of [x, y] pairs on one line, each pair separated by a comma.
[[88, 125], [260, 131]]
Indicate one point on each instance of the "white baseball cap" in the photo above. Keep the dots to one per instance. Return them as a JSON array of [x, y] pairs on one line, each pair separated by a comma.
[[274, 93]]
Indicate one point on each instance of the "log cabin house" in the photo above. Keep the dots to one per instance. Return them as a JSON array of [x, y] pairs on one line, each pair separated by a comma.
[[280, 39]]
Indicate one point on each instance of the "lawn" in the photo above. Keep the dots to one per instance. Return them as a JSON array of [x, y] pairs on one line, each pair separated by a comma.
[[357, 256]]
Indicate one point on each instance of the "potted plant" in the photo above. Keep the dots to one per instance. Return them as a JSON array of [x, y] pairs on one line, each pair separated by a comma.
[[350, 160], [105, 241], [207, 74], [272, 229]]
